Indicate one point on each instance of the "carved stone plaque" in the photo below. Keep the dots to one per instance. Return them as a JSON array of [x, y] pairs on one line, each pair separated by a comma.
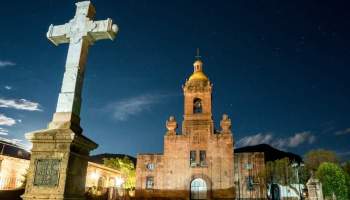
[[47, 172]]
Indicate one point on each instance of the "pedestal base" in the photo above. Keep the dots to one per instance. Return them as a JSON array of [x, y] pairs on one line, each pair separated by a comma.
[[58, 165]]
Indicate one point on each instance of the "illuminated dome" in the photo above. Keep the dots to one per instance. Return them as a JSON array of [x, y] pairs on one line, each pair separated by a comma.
[[198, 71], [198, 76]]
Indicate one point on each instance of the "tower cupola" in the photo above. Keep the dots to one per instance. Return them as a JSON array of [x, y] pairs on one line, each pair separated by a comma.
[[198, 69]]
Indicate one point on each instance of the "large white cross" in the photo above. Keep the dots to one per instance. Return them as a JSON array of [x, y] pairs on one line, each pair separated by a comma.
[[80, 33]]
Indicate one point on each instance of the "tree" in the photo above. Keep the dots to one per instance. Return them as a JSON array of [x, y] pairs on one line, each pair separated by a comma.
[[346, 167], [279, 171], [304, 175], [347, 179], [314, 158], [333, 180], [126, 168]]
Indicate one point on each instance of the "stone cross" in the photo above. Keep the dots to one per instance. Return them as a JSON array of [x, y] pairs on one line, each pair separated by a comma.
[[80, 32]]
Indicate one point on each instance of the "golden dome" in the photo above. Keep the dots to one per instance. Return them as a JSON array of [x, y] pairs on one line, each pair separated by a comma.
[[199, 75], [198, 71]]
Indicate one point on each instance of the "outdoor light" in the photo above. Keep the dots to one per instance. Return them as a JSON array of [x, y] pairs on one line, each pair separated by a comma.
[[95, 175], [2, 183], [119, 181]]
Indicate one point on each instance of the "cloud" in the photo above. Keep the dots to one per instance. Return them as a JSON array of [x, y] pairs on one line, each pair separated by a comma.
[[4, 63], [343, 132], [3, 131], [296, 140], [7, 87], [20, 104], [6, 121], [281, 143], [17, 142], [132, 106], [259, 138], [345, 153]]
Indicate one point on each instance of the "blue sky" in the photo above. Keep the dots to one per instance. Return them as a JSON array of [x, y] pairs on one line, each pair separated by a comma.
[[280, 69]]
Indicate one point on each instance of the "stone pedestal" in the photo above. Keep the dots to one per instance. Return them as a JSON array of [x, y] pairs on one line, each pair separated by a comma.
[[314, 187], [58, 164]]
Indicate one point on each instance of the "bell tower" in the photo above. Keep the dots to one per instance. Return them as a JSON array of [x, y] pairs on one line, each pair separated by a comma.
[[198, 101]]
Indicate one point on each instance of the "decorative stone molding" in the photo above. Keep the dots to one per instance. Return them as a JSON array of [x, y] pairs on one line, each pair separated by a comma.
[[225, 124], [171, 125]]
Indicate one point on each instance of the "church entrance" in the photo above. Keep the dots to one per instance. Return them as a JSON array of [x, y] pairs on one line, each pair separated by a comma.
[[198, 189], [275, 192]]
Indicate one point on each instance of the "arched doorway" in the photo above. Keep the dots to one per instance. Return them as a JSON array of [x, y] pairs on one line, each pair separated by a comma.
[[275, 192], [198, 189]]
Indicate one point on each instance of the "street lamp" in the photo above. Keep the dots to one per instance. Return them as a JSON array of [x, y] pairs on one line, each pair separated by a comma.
[[296, 166]]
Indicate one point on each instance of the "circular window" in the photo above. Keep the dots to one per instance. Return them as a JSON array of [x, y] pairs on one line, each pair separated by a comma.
[[150, 166]]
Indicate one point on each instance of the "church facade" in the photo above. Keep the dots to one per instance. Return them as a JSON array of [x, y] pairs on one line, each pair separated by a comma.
[[197, 163]]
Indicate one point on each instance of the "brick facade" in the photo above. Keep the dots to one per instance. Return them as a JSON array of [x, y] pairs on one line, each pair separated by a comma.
[[249, 180], [199, 157]]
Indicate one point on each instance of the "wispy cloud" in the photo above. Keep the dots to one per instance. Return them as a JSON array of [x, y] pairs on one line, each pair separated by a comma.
[[343, 132], [7, 87], [132, 106], [260, 138], [17, 142], [345, 153], [3, 131], [296, 140], [20, 104], [281, 143], [4, 63], [6, 121]]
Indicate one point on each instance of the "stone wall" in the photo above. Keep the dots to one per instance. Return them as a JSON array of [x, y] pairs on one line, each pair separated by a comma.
[[250, 165], [101, 176], [173, 173], [12, 172]]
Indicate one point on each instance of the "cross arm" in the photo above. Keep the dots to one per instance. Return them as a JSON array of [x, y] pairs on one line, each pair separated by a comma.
[[104, 29], [57, 34]]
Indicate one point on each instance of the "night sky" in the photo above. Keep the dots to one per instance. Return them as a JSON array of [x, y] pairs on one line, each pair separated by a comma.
[[280, 70]]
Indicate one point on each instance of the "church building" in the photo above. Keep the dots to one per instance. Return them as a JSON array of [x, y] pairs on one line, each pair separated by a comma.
[[198, 162]]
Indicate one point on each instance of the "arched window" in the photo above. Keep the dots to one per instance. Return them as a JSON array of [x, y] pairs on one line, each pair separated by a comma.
[[197, 106], [198, 189]]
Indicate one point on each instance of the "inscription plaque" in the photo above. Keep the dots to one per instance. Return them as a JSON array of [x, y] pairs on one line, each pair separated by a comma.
[[47, 172]]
